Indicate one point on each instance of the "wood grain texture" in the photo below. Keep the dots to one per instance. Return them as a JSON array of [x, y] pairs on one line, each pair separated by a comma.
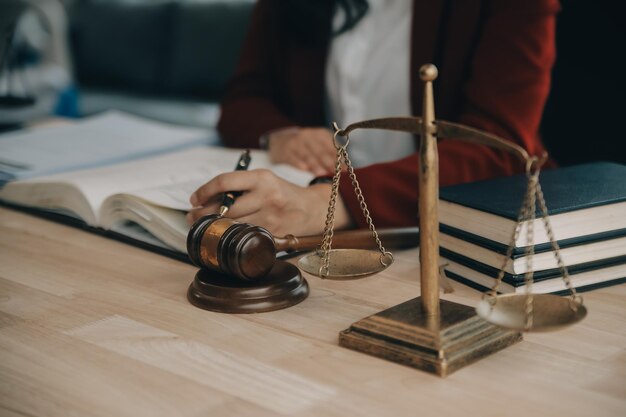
[[94, 327]]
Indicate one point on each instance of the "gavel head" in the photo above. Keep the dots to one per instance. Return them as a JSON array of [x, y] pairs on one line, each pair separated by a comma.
[[237, 249]]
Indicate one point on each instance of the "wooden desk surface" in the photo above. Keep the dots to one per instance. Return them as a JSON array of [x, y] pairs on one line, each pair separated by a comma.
[[94, 327]]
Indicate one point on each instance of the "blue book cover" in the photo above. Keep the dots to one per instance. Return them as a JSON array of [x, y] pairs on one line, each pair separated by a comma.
[[565, 189], [585, 203]]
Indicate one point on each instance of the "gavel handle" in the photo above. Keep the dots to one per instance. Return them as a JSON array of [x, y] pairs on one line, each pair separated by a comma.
[[397, 238]]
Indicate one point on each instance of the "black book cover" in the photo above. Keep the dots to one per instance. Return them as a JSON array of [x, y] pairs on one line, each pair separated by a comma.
[[565, 189], [518, 252], [538, 276], [583, 288], [80, 224]]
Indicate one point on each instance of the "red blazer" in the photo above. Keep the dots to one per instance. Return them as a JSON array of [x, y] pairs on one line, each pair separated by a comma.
[[494, 59]]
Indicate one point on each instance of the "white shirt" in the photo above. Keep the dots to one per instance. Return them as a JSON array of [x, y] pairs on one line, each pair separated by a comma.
[[367, 76]]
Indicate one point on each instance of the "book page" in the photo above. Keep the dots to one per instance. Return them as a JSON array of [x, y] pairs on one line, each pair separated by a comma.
[[152, 222], [100, 140], [203, 166], [165, 180]]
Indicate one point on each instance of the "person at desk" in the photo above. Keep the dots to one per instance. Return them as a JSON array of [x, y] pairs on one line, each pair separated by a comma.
[[302, 59]]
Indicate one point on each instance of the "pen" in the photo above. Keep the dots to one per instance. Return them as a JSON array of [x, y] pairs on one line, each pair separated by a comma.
[[230, 196]]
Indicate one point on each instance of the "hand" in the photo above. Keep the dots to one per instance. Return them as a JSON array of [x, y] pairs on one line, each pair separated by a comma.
[[310, 149], [270, 202]]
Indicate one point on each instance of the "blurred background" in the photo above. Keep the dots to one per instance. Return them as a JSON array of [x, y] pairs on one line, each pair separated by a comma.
[[164, 59], [170, 60]]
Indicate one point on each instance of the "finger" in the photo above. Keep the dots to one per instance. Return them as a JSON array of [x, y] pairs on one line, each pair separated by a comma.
[[315, 168], [322, 145], [320, 161], [314, 164], [329, 164], [326, 163], [330, 151], [325, 140], [276, 228], [312, 151], [300, 164], [246, 205], [212, 201], [289, 152], [302, 158], [319, 170], [231, 181]]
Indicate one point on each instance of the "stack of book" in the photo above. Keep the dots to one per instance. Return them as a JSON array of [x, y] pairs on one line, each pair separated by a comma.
[[587, 211]]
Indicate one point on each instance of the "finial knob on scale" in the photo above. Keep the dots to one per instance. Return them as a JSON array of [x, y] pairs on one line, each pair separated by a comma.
[[428, 72]]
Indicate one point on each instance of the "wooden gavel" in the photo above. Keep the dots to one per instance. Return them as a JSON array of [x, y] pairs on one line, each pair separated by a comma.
[[248, 252]]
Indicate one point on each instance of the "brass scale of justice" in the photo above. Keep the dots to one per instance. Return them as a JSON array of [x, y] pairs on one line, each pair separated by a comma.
[[427, 333]]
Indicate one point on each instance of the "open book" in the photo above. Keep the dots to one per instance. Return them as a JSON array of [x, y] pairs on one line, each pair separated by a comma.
[[144, 199]]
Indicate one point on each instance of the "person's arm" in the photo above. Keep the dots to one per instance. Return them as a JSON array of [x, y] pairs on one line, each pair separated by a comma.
[[248, 108], [505, 94], [254, 111]]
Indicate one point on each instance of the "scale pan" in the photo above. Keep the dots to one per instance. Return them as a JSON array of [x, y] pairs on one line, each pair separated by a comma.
[[347, 263], [550, 312]]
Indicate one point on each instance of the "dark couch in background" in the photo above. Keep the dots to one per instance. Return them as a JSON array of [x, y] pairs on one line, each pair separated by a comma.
[[165, 59]]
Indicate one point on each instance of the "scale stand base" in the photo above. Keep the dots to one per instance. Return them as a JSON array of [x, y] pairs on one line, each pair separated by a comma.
[[437, 344]]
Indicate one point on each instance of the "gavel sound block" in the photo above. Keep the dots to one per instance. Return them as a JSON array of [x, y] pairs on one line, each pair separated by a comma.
[[239, 270]]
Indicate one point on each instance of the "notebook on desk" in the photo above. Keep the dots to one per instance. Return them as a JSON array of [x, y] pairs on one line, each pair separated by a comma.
[[132, 183]]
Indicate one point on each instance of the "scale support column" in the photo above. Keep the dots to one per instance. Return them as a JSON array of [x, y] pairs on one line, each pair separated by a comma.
[[429, 198], [427, 333]]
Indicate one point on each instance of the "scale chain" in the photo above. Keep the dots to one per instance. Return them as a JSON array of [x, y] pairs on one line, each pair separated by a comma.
[[326, 246], [514, 236], [533, 200], [330, 219], [363, 205], [555, 244], [530, 248]]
